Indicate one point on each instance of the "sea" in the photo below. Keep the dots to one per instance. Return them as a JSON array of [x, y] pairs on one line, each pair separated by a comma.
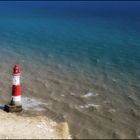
[[79, 62]]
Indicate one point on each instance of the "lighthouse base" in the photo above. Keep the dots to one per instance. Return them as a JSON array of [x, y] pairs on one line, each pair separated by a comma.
[[12, 108]]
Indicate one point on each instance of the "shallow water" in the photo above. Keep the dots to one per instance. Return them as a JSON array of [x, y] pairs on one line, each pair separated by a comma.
[[80, 60]]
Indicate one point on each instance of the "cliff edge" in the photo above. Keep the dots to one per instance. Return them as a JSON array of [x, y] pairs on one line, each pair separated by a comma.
[[13, 126]]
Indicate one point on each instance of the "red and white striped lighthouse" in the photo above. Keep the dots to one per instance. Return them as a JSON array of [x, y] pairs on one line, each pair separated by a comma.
[[16, 97], [15, 104]]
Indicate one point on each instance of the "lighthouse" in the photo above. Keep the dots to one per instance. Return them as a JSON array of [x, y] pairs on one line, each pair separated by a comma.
[[15, 104]]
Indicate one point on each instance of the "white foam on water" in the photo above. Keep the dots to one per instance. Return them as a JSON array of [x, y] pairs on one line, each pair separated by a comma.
[[134, 99], [106, 102], [111, 110], [32, 103], [113, 79], [90, 94], [73, 94], [62, 95], [90, 105]]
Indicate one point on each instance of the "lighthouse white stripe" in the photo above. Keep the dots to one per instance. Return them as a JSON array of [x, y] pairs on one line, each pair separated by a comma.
[[16, 80], [16, 98]]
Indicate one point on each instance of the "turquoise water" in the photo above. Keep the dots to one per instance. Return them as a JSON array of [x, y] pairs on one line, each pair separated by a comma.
[[68, 50]]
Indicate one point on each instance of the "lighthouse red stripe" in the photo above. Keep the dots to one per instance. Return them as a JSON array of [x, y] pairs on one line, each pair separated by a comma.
[[15, 90]]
